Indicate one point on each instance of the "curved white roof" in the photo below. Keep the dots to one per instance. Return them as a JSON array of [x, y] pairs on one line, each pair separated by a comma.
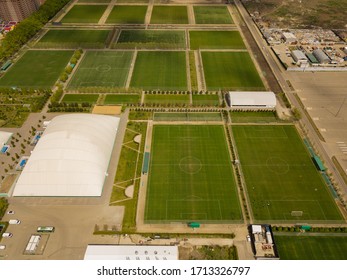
[[71, 158]]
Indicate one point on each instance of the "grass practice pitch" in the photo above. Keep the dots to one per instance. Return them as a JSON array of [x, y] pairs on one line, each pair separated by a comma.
[[84, 14], [127, 14], [215, 40], [102, 68], [212, 15], [79, 38], [190, 176], [169, 15], [44, 68], [312, 247], [230, 70], [160, 71], [282, 182], [152, 38]]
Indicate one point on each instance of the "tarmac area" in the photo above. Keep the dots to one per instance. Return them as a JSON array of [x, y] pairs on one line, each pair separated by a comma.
[[324, 97]]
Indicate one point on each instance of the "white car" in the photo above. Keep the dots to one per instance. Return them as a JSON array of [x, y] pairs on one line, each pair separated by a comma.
[[248, 238], [14, 222], [11, 212], [2, 247], [7, 234]]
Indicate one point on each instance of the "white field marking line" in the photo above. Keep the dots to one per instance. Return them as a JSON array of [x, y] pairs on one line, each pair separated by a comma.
[[111, 68], [340, 142]]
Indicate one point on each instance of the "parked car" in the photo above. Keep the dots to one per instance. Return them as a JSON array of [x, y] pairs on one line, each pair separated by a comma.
[[2, 247], [7, 234], [14, 222], [11, 212]]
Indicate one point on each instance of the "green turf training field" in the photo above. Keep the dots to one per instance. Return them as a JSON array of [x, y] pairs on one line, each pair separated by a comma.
[[127, 14], [102, 68], [253, 117], [80, 98], [230, 70], [73, 38], [312, 247], [152, 39], [84, 14], [205, 99], [44, 68], [122, 99], [169, 15], [282, 182], [160, 71], [190, 176], [212, 15], [215, 40], [168, 99], [186, 117], [132, 1]]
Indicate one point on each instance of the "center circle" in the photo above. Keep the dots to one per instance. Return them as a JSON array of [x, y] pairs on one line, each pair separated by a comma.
[[190, 165], [277, 165], [103, 68]]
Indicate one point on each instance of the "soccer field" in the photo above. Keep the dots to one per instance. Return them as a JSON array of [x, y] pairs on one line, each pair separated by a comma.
[[172, 99], [102, 68], [127, 14], [212, 15], [230, 70], [84, 14], [169, 15], [312, 247], [152, 39], [282, 182], [215, 40], [36, 69], [122, 99], [190, 176], [160, 71], [73, 38], [80, 98]]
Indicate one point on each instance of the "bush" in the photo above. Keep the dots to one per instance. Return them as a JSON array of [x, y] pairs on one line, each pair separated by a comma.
[[3, 206]]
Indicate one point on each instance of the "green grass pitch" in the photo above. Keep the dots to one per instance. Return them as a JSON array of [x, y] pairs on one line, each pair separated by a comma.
[[82, 38], [153, 38], [44, 68], [205, 99], [160, 71], [84, 14], [190, 176], [169, 15], [172, 99], [215, 40], [122, 99], [312, 247], [212, 15], [127, 14], [280, 175], [230, 70], [80, 98], [186, 117], [102, 68]]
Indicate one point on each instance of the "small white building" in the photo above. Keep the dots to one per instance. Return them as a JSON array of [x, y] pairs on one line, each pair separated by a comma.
[[131, 252], [299, 57], [289, 38], [251, 99], [5, 137]]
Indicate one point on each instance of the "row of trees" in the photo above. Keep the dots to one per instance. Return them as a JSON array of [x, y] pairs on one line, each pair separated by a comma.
[[26, 29]]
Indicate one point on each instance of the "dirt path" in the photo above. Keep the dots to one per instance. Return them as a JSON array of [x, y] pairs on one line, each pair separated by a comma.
[[107, 12], [199, 71], [149, 13], [130, 73]]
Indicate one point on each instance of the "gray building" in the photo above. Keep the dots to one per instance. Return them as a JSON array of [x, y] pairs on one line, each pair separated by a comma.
[[321, 56]]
